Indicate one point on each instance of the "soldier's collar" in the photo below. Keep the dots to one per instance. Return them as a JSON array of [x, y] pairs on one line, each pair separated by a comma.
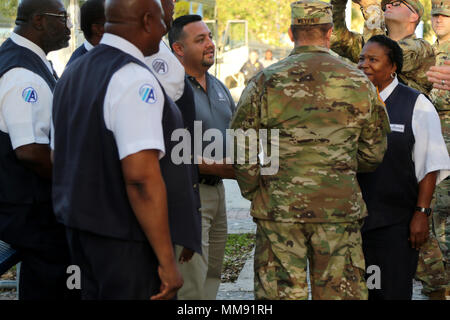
[[411, 36], [301, 49]]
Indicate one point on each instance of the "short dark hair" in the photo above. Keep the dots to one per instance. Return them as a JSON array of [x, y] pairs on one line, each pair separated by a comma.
[[28, 8], [394, 52], [176, 32], [310, 32], [91, 12]]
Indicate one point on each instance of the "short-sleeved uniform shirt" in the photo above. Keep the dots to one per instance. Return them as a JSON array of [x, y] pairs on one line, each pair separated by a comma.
[[25, 101], [135, 122]]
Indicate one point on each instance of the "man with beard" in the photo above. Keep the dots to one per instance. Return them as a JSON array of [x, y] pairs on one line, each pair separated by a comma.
[[191, 41], [27, 80]]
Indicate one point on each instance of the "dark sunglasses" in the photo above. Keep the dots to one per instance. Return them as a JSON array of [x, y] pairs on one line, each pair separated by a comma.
[[397, 4]]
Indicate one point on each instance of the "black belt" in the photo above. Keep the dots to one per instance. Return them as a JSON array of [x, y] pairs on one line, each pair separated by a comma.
[[209, 180]]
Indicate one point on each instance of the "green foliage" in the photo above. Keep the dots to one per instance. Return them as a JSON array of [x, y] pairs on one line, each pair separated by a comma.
[[236, 243], [268, 20], [237, 251], [8, 10], [428, 32]]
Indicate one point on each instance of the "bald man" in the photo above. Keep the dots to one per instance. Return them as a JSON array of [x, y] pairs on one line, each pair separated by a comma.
[[114, 181], [27, 80]]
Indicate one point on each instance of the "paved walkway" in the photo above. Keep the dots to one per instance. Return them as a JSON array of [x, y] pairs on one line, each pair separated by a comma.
[[240, 221]]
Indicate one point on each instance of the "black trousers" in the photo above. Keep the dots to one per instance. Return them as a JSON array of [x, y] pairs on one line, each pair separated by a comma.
[[389, 249], [41, 242], [113, 269]]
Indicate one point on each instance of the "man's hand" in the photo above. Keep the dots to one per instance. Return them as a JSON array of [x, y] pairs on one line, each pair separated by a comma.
[[210, 167], [418, 230], [171, 281], [185, 255], [366, 3], [440, 76]]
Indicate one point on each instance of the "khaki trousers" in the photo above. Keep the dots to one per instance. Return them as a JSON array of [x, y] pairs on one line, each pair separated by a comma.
[[202, 274]]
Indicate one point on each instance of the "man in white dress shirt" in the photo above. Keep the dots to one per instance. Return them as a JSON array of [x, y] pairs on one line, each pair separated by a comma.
[[27, 80]]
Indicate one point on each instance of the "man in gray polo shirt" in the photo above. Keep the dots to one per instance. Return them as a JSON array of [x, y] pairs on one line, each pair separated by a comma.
[[191, 42]]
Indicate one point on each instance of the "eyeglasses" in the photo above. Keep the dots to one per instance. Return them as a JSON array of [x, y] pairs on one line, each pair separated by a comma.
[[65, 17], [398, 4]]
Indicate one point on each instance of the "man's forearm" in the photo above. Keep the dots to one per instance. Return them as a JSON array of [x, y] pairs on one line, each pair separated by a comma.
[[426, 190], [149, 202], [344, 42], [36, 157], [222, 170]]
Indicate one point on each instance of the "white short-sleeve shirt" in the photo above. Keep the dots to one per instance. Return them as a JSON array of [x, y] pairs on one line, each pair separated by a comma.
[[25, 101], [429, 152], [169, 71], [133, 104]]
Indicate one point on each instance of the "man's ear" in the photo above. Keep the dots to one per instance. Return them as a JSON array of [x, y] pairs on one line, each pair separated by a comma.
[[291, 35], [414, 17], [329, 33], [146, 21], [178, 49], [38, 22]]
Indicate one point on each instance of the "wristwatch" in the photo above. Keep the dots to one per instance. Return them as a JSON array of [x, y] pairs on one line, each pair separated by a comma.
[[427, 211]]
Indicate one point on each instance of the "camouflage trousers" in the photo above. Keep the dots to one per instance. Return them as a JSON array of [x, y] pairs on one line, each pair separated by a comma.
[[441, 216], [430, 268], [335, 255]]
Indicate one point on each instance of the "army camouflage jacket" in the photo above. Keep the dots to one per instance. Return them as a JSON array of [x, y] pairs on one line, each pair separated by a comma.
[[331, 124], [441, 98], [418, 54]]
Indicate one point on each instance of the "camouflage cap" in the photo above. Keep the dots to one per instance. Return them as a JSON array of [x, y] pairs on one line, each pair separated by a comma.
[[440, 7], [310, 12], [415, 4]]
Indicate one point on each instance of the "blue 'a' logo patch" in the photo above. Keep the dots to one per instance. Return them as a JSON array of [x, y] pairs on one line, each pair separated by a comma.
[[160, 66], [147, 94], [30, 95]]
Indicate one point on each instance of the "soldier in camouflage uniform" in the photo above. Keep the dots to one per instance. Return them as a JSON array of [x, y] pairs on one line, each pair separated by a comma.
[[435, 281], [418, 55], [331, 123]]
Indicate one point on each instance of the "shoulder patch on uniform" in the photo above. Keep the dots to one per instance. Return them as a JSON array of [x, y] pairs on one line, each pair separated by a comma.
[[148, 94], [160, 66], [30, 95]]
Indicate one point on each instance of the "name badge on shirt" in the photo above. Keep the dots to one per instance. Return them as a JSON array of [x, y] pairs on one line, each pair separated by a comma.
[[221, 97], [398, 128]]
